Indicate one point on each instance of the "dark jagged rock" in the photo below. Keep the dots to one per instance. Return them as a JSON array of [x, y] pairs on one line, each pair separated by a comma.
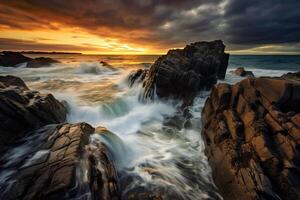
[[240, 71], [103, 181], [10, 59], [183, 72], [252, 134], [105, 64], [22, 110], [292, 76], [138, 76], [57, 168], [6, 81], [41, 62]]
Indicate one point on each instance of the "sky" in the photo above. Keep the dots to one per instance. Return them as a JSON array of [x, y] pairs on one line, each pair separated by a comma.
[[149, 26]]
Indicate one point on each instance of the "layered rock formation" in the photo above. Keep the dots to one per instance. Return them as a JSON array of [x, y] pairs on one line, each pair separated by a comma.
[[252, 133], [292, 76], [183, 72], [240, 71], [43, 159], [23, 110], [61, 167]]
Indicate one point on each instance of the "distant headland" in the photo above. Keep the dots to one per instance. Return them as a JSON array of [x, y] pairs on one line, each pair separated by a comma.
[[48, 52]]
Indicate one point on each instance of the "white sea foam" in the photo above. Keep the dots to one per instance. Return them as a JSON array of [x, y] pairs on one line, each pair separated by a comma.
[[93, 68], [140, 143]]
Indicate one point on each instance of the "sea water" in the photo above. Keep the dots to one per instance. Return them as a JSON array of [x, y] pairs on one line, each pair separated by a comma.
[[159, 158]]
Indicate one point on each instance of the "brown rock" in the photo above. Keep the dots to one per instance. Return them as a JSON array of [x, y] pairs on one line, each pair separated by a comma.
[[240, 71], [261, 158], [23, 110], [60, 173]]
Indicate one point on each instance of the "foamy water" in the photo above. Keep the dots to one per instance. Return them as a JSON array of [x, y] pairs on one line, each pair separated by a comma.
[[158, 157]]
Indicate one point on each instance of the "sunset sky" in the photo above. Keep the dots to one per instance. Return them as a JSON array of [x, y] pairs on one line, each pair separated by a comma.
[[149, 26]]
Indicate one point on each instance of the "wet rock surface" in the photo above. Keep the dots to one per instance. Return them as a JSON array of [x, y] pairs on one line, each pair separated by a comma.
[[183, 72], [41, 62], [10, 59], [6, 81], [292, 76], [62, 166], [23, 110], [252, 133], [240, 71]]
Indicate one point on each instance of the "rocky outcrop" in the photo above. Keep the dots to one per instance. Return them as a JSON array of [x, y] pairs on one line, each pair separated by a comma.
[[6, 81], [41, 62], [43, 159], [240, 71], [10, 59], [138, 76], [63, 166], [292, 76], [252, 134], [183, 72], [23, 110], [105, 64]]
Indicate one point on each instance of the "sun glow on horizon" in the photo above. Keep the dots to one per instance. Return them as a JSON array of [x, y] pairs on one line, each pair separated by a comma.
[[83, 42]]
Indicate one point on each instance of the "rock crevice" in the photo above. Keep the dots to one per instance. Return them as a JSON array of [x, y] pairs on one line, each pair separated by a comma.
[[252, 138], [181, 73]]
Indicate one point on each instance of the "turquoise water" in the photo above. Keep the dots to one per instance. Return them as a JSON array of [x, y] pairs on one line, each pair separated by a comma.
[[156, 156]]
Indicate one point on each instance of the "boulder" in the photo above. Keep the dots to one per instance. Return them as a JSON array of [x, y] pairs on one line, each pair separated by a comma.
[[41, 62], [23, 110], [240, 71], [181, 73], [105, 64], [292, 76], [6, 81], [62, 166], [10, 59], [252, 138]]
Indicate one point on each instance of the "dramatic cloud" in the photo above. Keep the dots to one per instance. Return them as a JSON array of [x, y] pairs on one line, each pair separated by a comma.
[[162, 24], [25, 45]]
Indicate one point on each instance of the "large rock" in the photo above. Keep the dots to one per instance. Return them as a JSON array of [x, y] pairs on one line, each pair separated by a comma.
[[252, 134], [240, 71], [41, 62], [6, 81], [183, 72], [62, 165], [23, 110], [292, 76], [10, 59]]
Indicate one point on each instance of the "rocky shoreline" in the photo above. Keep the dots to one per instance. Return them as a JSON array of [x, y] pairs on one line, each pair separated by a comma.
[[62, 156], [13, 59], [181, 73], [251, 130], [252, 134]]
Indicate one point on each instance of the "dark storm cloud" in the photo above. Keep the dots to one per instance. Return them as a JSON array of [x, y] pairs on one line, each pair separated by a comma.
[[241, 24], [262, 22]]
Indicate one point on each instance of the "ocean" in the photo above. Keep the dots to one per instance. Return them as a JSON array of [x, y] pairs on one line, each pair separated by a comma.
[[158, 157]]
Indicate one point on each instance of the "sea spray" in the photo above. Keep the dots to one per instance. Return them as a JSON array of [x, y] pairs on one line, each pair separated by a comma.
[[145, 153]]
